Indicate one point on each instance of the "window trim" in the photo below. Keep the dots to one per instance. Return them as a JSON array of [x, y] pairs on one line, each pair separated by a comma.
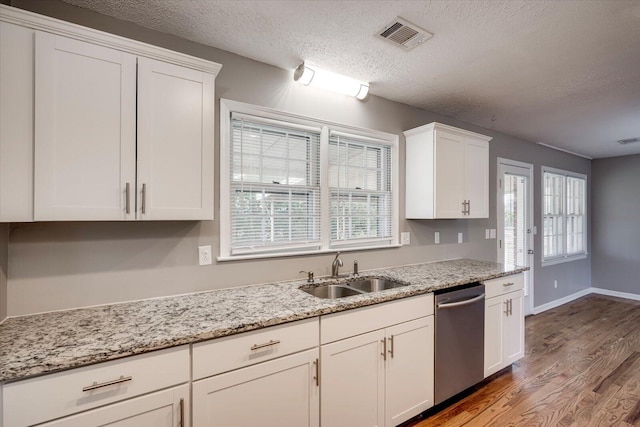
[[564, 257], [227, 107]]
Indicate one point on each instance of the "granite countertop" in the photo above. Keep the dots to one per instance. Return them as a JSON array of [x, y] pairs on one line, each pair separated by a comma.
[[51, 342]]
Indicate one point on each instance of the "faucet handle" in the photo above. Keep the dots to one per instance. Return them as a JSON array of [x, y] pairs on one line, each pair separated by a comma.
[[355, 267], [309, 275]]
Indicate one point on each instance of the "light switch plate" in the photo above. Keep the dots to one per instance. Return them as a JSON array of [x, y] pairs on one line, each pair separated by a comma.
[[487, 233], [492, 233], [436, 237], [460, 237], [204, 255], [405, 238]]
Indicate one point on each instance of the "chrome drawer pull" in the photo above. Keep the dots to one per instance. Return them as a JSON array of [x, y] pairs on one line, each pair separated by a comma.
[[391, 350], [508, 284], [95, 384], [384, 349], [317, 377], [182, 423], [267, 344]]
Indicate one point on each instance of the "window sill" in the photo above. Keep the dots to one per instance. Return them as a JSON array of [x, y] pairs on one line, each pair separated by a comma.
[[561, 260], [299, 253]]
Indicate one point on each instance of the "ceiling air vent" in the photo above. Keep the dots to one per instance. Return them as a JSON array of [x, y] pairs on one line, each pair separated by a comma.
[[628, 141], [404, 34]]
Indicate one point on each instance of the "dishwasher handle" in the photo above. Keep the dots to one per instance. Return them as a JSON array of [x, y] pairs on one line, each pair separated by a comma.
[[461, 303]]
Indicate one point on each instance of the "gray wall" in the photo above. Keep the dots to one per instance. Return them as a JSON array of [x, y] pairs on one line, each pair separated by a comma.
[[4, 258], [616, 224], [61, 265]]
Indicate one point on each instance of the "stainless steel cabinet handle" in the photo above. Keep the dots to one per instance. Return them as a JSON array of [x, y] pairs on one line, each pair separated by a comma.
[[182, 413], [391, 346], [144, 199], [127, 202], [384, 349], [460, 303], [464, 207], [510, 307], [317, 377], [468, 207], [506, 308], [95, 384], [267, 344], [508, 284]]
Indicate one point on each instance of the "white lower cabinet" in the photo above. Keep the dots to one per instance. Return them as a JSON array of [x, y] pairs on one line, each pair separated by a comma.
[[381, 378], [504, 331], [280, 392], [168, 408]]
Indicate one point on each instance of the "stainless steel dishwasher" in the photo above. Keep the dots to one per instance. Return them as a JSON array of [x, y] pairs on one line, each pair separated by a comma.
[[459, 332]]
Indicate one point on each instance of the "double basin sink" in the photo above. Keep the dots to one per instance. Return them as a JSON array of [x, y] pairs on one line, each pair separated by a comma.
[[351, 287]]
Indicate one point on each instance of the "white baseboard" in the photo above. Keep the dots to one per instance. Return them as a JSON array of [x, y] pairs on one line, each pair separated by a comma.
[[610, 293], [557, 303]]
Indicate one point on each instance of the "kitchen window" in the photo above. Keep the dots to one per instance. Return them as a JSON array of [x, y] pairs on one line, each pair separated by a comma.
[[292, 185], [563, 216]]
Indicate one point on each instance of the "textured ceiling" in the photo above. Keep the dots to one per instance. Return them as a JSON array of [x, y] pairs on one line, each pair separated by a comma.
[[565, 73]]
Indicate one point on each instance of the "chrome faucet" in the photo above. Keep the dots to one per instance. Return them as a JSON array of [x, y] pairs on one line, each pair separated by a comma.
[[337, 263]]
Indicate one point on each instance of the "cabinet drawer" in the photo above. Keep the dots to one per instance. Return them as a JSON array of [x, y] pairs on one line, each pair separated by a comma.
[[337, 326], [52, 396], [503, 285], [229, 353]]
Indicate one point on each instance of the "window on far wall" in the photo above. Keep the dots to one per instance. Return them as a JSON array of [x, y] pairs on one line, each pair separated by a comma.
[[564, 215], [292, 185]]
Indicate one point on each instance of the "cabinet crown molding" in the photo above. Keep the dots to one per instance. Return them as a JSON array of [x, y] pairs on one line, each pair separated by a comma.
[[44, 23], [441, 126]]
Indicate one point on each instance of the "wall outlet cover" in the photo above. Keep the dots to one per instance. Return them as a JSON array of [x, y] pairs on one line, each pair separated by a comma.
[[492, 233], [436, 237], [204, 255], [460, 237], [487, 234], [405, 238]]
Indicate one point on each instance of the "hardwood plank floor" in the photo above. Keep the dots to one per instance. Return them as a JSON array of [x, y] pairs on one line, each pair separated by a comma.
[[581, 368]]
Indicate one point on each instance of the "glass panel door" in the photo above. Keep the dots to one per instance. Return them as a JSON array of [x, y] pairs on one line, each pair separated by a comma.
[[515, 210]]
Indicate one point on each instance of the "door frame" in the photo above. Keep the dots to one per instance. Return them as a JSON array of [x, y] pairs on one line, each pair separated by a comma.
[[501, 164]]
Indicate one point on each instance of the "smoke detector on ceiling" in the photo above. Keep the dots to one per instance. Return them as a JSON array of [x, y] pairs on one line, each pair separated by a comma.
[[403, 33], [628, 141]]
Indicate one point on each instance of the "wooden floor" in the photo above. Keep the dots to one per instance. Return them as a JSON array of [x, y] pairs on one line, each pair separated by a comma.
[[581, 368]]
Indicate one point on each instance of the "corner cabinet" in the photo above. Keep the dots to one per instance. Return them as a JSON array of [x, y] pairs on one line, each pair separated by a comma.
[[447, 173], [504, 322], [121, 130]]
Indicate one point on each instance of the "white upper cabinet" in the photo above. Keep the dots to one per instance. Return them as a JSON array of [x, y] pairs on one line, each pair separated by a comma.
[[447, 173], [85, 130], [175, 142], [98, 127]]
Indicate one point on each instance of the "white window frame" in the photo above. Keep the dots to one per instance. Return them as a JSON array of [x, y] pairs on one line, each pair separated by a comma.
[[228, 106], [564, 257]]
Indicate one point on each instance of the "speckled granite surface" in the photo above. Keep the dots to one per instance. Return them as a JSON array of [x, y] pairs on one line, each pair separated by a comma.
[[51, 342]]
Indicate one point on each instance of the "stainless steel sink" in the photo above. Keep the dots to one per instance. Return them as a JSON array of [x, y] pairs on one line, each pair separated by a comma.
[[351, 287], [332, 291], [374, 284]]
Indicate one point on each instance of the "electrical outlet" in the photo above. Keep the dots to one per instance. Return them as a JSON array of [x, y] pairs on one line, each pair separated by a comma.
[[487, 233], [405, 238], [460, 237], [492, 233], [555, 284], [204, 255], [436, 237]]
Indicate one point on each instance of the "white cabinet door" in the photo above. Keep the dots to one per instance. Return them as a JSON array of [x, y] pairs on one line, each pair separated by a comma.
[[281, 392], [449, 174], [477, 178], [504, 331], [16, 122], [494, 316], [175, 142], [409, 372], [85, 130], [352, 381], [514, 328], [168, 408]]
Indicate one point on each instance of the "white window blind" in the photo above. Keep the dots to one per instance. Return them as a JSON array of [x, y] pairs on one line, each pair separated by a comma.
[[360, 184], [275, 186], [564, 215]]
